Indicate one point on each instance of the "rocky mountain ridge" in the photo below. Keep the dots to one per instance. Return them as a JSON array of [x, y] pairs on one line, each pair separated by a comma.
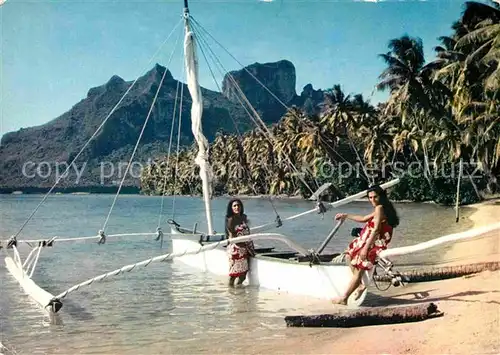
[[33, 158]]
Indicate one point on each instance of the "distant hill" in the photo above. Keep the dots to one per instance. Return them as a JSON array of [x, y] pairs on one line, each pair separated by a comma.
[[29, 157]]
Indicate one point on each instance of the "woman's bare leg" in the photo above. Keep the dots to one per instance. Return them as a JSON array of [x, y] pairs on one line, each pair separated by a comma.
[[362, 287], [231, 281], [242, 278], [353, 285], [348, 261]]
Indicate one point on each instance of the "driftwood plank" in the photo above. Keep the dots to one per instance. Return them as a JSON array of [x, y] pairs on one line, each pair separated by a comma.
[[367, 316]]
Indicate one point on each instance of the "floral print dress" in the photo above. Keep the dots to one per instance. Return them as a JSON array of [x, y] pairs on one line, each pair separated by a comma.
[[381, 243], [239, 253]]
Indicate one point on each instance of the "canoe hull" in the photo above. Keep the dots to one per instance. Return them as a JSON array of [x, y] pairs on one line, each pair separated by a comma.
[[324, 281]]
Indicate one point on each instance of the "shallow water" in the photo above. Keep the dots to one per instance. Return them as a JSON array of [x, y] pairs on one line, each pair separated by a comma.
[[167, 307]]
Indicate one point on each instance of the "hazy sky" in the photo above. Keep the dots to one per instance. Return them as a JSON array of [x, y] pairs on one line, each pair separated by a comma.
[[53, 52]]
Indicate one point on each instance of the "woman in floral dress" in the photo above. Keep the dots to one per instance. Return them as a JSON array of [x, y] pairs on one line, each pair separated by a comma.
[[374, 237], [238, 253]]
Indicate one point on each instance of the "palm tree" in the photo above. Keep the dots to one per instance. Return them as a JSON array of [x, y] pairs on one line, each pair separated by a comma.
[[338, 112], [409, 87], [468, 64]]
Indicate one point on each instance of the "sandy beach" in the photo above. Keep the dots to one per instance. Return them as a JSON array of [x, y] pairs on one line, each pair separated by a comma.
[[471, 306]]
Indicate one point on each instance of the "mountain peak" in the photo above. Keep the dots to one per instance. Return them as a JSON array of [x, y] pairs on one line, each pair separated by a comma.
[[157, 72]]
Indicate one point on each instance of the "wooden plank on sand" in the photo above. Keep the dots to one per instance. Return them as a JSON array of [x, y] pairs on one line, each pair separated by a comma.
[[367, 316]]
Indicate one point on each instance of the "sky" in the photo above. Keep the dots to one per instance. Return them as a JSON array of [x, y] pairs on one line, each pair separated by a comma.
[[53, 52]]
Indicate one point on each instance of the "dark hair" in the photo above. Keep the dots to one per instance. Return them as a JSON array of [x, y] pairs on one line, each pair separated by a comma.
[[389, 210], [229, 210], [229, 213]]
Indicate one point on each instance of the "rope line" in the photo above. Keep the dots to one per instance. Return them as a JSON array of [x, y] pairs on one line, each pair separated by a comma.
[[169, 147], [232, 56], [268, 90], [168, 256], [202, 42], [139, 138], [178, 137], [256, 118], [196, 23], [256, 79], [28, 241], [334, 204], [359, 158], [91, 138]]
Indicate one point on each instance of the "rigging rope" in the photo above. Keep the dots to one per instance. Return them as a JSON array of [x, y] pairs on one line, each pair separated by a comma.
[[169, 150], [262, 125], [202, 42], [256, 118], [168, 154], [277, 98], [178, 139], [168, 256], [49, 242], [359, 159], [232, 56], [278, 221], [137, 143], [197, 24]]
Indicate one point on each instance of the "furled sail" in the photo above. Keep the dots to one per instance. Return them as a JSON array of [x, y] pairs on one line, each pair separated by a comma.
[[191, 63]]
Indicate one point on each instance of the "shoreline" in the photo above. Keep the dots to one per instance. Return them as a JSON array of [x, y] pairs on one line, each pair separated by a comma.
[[483, 248], [246, 197]]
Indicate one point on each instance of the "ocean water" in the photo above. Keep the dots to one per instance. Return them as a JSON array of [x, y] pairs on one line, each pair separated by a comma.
[[166, 308]]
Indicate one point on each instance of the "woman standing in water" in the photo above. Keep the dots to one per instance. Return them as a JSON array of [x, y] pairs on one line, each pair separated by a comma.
[[374, 237], [238, 253]]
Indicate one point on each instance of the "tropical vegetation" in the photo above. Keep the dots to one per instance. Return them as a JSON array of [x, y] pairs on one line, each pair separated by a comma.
[[440, 115]]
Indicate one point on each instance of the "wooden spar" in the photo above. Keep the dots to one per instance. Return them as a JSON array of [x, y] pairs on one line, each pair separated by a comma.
[[330, 236], [367, 316]]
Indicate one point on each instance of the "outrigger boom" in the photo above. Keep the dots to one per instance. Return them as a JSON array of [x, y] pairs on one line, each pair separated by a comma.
[[52, 304]]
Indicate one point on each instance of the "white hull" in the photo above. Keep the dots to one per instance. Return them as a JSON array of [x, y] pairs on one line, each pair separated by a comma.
[[323, 281]]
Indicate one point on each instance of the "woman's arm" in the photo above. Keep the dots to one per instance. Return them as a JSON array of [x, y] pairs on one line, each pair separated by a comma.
[[353, 217], [230, 228]]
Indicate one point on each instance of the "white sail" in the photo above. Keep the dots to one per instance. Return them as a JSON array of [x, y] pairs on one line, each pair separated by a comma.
[[191, 63]]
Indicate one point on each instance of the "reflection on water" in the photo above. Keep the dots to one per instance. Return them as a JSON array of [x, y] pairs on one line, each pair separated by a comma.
[[167, 308]]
